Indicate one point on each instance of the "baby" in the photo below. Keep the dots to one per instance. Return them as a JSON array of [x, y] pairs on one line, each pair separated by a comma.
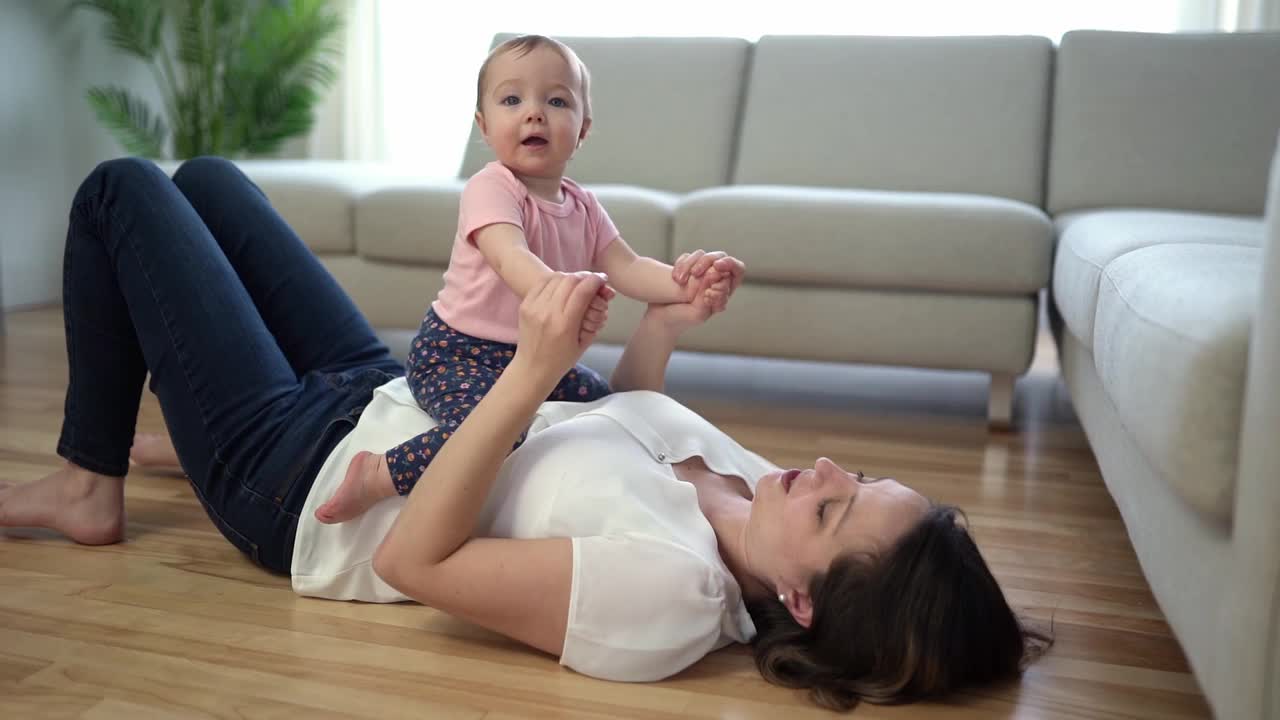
[[520, 219]]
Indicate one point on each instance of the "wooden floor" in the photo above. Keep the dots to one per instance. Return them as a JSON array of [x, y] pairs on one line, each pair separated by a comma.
[[174, 623]]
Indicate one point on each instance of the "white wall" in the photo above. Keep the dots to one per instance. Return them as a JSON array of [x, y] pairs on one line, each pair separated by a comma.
[[49, 138]]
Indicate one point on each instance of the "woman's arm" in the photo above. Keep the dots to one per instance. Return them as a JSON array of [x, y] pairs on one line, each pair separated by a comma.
[[517, 587], [643, 365], [438, 519]]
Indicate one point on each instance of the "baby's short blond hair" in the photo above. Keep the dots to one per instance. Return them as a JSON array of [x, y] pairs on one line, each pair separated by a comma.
[[525, 44]]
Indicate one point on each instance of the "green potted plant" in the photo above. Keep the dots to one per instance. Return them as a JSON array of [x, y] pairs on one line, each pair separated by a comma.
[[245, 77]]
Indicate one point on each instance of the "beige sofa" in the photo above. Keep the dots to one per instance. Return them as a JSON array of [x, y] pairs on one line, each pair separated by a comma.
[[868, 184], [897, 201], [1166, 292]]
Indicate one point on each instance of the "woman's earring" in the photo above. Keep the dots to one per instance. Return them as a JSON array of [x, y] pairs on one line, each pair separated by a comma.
[[782, 598]]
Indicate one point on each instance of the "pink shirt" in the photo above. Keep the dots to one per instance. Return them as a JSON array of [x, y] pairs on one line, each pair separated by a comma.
[[568, 237]]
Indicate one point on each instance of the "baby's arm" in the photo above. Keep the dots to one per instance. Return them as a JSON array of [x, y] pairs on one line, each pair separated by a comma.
[[504, 248], [641, 278]]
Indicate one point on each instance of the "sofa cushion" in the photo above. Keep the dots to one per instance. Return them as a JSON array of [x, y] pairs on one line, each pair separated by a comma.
[[394, 296], [1088, 241], [637, 136], [1181, 120], [987, 333], [870, 239], [1170, 344], [410, 223], [389, 294], [945, 114], [418, 223], [318, 197], [643, 217], [316, 203]]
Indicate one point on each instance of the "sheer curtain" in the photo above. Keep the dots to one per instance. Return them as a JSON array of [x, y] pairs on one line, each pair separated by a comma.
[[407, 92], [1250, 15], [350, 122]]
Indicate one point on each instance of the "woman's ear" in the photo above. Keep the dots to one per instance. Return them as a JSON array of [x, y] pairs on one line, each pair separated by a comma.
[[801, 607]]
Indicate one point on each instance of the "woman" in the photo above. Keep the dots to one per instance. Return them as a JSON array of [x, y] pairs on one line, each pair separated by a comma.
[[626, 536]]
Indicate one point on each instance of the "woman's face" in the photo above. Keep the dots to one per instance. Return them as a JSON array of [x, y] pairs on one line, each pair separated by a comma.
[[801, 520]]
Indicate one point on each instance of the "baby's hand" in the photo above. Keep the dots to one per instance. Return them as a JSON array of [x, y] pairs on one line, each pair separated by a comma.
[[693, 265], [717, 283], [705, 290], [714, 276], [596, 316], [729, 272]]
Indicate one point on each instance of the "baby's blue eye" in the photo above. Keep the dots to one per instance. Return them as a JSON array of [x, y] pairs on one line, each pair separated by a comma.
[[509, 100], [558, 102]]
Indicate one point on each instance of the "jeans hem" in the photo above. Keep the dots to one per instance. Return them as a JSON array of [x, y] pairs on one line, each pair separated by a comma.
[[90, 462]]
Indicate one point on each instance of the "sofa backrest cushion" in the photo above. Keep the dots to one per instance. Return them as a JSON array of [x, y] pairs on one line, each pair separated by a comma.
[[1179, 121], [318, 198], [948, 114], [664, 112]]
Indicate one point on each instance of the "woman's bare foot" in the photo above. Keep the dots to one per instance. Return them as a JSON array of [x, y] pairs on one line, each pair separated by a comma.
[[368, 480], [84, 506], [154, 450]]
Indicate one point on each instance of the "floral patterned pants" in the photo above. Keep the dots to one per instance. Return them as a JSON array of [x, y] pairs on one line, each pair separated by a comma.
[[448, 373]]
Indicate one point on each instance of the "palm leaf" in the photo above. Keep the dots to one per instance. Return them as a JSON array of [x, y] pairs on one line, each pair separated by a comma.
[[132, 25], [129, 120], [229, 22], [192, 40], [187, 141], [274, 83], [287, 112], [248, 72], [155, 40], [198, 59]]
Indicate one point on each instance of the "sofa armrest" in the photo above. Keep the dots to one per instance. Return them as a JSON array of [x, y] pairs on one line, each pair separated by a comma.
[[1254, 609]]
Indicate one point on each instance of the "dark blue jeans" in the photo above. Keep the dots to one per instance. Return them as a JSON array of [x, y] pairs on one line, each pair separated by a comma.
[[260, 361]]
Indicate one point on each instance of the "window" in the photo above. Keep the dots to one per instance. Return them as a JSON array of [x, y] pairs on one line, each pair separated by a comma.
[[428, 58]]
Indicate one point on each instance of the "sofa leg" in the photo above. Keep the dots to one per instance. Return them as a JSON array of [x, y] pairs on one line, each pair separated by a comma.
[[1000, 401]]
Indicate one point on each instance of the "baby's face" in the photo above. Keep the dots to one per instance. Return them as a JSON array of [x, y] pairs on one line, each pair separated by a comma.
[[532, 112]]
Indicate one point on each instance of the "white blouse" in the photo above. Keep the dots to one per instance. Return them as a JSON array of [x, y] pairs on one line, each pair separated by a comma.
[[650, 593]]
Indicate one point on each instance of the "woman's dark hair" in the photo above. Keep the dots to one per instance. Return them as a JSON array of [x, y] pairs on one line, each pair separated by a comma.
[[923, 620]]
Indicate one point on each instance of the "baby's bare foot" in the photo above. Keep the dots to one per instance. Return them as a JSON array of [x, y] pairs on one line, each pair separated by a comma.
[[368, 480], [153, 450], [84, 506]]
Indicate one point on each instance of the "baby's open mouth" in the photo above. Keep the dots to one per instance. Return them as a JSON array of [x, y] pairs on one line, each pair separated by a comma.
[[535, 140]]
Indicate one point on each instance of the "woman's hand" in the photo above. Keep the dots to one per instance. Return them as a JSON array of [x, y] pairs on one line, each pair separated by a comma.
[[713, 277], [676, 318], [691, 267], [551, 335], [597, 315]]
